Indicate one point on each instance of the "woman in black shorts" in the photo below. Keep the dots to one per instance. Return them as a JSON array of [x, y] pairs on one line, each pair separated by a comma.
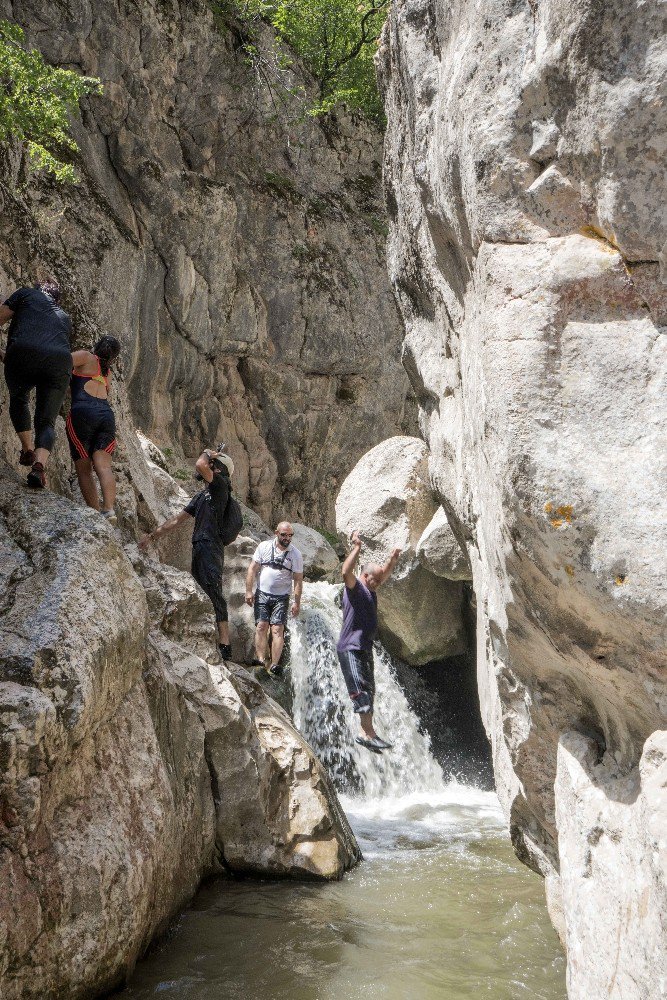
[[91, 426]]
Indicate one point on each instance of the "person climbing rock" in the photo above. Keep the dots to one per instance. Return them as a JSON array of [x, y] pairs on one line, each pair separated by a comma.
[[37, 357], [355, 645], [279, 564], [90, 424], [208, 551]]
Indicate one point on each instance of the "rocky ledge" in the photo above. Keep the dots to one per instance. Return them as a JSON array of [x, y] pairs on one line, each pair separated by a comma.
[[129, 766]]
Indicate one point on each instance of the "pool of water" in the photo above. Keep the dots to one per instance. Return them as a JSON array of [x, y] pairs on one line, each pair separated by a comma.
[[439, 908]]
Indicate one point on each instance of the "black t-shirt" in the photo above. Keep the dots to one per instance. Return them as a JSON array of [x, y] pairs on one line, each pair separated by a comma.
[[208, 508], [38, 323]]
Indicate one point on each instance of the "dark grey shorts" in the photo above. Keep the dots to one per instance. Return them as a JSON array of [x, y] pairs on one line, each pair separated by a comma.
[[359, 673], [271, 608]]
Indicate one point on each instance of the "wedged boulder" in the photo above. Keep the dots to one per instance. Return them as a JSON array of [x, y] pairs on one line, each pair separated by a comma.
[[388, 498], [439, 551], [319, 556], [115, 739]]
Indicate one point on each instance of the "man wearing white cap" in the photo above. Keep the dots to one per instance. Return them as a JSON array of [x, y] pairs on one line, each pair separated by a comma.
[[208, 551]]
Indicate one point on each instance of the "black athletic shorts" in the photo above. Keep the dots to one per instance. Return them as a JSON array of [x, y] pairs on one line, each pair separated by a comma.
[[207, 570], [91, 426], [271, 607], [359, 673]]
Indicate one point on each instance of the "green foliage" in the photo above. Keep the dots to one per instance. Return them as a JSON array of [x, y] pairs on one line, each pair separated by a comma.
[[336, 39], [35, 100]]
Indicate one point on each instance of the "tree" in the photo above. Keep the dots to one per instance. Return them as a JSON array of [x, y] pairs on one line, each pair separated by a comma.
[[336, 39], [35, 102]]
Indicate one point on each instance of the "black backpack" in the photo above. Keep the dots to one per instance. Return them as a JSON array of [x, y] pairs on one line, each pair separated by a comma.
[[232, 521]]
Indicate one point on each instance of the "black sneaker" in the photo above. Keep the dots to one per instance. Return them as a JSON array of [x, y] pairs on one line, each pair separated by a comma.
[[225, 651], [37, 476], [376, 744], [276, 670]]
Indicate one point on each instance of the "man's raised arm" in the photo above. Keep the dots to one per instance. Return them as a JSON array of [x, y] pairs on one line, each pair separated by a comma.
[[388, 567], [348, 566], [203, 464]]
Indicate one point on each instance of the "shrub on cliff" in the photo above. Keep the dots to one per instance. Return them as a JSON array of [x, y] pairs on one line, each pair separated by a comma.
[[35, 101], [335, 39]]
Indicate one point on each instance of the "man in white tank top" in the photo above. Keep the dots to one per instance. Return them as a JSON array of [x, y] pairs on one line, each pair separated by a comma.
[[279, 564]]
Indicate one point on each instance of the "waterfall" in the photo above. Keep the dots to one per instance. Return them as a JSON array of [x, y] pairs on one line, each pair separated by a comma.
[[323, 710]]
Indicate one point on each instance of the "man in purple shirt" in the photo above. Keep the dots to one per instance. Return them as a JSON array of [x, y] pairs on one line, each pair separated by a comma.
[[355, 646]]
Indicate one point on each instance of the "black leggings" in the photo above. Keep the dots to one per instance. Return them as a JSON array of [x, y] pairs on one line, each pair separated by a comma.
[[207, 566], [47, 373]]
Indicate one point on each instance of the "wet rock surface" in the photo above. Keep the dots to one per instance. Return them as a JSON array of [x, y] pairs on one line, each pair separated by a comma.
[[526, 251]]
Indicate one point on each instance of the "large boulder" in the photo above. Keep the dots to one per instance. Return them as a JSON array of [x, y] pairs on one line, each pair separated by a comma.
[[116, 739], [388, 498], [319, 556], [527, 250]]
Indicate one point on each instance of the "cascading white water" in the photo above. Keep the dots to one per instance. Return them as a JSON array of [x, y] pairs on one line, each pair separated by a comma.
[[323, 710]]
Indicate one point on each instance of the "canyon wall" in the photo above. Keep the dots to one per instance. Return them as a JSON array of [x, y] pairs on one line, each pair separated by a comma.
[[234, 245], [526, 182]]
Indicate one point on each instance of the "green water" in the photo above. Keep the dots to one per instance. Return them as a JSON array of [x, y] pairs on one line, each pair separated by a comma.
[[440, 908]]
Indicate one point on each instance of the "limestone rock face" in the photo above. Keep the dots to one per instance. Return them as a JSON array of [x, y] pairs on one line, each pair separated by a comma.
[[611, 836], [388, 498], [526, 247], [131, 768], [237, 255]]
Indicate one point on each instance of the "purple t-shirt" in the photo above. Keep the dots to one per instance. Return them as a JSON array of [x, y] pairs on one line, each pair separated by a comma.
[[360, 618]]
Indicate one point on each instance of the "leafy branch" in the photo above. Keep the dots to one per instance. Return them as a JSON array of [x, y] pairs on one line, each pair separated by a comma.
[[335, 39], [35, 102]]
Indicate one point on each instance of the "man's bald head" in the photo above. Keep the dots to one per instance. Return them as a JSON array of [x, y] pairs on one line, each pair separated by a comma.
[[284, 532], [371, 576]]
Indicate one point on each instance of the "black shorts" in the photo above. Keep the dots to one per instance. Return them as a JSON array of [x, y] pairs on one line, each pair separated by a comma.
[[207, 570], [359, 673], [91, 428], [271, 607]]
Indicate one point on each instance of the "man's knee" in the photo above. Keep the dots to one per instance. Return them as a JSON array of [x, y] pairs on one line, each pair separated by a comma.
[[262, 626], [277, 630]]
